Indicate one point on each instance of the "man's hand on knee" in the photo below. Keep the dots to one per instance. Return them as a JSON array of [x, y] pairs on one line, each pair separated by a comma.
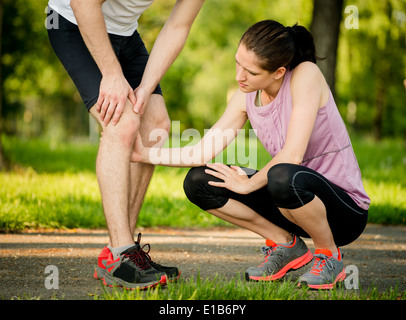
[[114, 92]]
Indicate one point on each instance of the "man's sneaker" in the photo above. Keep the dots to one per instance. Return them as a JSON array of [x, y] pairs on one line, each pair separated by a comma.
[[172, 272], [132, 270], [325, 272], [100, 270], [279, 259]]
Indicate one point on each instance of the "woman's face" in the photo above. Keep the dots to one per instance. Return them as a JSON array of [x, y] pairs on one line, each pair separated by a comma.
[[249, 75]]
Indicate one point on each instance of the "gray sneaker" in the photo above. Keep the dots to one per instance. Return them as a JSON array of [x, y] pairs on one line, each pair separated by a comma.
[[279, 259], [325, 272]]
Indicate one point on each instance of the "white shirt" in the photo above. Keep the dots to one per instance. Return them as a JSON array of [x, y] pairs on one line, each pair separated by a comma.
[[121, 16]]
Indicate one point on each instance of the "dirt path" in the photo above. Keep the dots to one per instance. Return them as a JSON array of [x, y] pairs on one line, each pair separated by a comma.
[[379, 255]]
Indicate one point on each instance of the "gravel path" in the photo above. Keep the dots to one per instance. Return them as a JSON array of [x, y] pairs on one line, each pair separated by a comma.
[[379, 255]]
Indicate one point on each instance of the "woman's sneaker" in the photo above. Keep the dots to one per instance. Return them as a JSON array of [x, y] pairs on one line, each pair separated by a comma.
[[325, 272], [132, 270], [279, 259]]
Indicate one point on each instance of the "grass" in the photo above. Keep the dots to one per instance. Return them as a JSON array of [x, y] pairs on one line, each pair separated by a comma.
[[54, 186], [220, 288]]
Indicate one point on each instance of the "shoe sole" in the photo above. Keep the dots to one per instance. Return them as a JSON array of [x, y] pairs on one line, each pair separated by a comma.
[[326, 286], [295, 264], [116, 282], [99, 274], [170, 280]]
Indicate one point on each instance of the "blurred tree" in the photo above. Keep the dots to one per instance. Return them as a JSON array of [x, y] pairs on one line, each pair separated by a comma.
[[39, 99], [325, 27], [2, 155], [372, 67]]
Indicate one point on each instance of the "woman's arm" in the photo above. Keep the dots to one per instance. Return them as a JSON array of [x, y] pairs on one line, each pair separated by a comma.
[[213, 142], [309, 92]]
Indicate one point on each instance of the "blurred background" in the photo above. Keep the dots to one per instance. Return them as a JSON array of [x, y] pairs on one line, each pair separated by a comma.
[[49, 144], [365, 65]]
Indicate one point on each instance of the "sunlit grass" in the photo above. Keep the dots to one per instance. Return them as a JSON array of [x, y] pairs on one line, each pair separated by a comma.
[[220, 288], [55, 186]]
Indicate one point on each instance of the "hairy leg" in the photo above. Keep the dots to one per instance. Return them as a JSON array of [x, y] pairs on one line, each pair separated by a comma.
[[155, 117], [113, 173]]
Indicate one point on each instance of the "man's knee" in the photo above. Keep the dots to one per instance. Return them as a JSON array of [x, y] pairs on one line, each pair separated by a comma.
[[125, 131]]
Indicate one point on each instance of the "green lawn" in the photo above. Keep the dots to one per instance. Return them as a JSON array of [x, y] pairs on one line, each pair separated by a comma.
[[219, 288], [54, 186]]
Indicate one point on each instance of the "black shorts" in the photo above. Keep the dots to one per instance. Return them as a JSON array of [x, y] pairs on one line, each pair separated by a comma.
[[290, 187], [71, 50]]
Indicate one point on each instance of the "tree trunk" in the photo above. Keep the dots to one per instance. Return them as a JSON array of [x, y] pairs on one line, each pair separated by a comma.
[[327, 15], [2, 156]]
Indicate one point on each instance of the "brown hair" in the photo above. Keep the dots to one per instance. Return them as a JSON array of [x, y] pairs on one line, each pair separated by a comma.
[[278, 46]]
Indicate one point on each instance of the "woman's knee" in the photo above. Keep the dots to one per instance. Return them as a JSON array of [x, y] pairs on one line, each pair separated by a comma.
[[280, 182], [279, 178], [199, 192], [193, 180]]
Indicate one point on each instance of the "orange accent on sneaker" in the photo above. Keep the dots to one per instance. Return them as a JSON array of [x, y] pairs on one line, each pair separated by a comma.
[[295, 264], [270, 243], [104, 254], [326, 252], [110, 264]]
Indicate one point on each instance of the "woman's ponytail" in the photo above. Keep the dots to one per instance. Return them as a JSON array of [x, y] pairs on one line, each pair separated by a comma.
[[278, 46], [305, 49]]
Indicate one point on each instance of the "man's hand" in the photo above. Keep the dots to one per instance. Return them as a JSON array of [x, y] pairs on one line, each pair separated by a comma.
[[114, 91], [142, 97], [114, 88]]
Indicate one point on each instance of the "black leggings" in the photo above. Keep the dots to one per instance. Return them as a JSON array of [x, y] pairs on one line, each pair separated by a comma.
[[289, 187]]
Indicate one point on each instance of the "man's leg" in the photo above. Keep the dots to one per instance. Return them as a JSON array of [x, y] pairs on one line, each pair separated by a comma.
[[113, 173], [155, 117]]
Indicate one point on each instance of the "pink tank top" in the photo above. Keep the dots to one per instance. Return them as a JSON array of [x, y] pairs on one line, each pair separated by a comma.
[[329, 151]]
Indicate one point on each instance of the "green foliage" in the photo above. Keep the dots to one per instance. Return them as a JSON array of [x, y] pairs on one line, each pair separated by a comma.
[[372, 67], [41, 100], [39, 97]]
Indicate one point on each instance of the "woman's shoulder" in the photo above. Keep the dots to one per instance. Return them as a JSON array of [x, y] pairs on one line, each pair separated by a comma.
[[307, 70], [308, 76]]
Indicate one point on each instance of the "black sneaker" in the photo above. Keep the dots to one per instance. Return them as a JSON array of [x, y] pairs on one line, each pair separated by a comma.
[[132, 270], [172, 272]]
